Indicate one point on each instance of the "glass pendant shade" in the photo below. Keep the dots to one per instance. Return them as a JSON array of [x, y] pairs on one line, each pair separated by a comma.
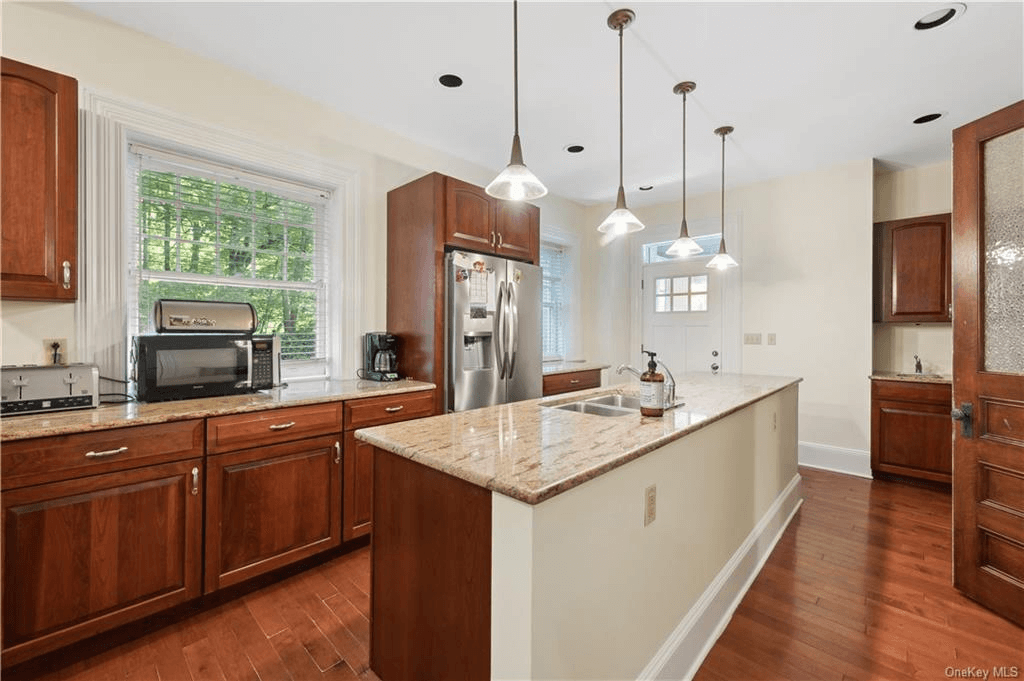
[[723, 260], [621, 220], [516, 182], [684, 246]]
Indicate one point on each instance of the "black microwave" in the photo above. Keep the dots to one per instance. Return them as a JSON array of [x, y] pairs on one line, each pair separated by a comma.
[[177, 366]]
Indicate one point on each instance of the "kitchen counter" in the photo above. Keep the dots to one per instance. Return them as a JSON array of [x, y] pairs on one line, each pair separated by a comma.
[[530, 452], [21, 427], [911, 378], [552, 368]]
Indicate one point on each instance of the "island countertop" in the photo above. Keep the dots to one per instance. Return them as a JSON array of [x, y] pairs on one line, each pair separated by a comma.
[[20, 427], [531, 452]]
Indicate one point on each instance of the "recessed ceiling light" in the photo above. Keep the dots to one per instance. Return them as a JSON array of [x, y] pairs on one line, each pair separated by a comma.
[[927, 118], [942, 15], [574, 148], [646, 188], [450, 80]]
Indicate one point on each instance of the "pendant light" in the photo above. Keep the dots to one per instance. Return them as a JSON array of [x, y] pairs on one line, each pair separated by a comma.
[[684, 246], [723, 260], [621, 220], [516, 182]]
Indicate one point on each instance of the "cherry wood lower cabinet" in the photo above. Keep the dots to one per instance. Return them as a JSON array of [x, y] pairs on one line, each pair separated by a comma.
[[270, 506], [357, 494], [911, 431], [555, 384], [82, 556]]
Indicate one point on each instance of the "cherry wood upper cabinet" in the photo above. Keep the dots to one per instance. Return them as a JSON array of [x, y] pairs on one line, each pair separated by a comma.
[[913, 270], [481, 223], [39, 176]]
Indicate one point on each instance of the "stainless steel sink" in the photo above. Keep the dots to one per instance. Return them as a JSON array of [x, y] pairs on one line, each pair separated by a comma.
[[591, 407], [625, 401]]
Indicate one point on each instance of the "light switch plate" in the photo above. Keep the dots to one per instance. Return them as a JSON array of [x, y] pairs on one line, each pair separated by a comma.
[[771, 339]]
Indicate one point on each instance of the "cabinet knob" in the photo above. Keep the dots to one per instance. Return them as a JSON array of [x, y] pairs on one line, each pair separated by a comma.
[[67, 273], [337, 452], [195, 480]]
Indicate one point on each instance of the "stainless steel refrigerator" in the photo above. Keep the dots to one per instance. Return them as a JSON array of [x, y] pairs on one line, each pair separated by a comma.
[[492, 330]]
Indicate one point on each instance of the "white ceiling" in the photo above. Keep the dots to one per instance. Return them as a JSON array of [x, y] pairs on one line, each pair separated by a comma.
[[806, 85]]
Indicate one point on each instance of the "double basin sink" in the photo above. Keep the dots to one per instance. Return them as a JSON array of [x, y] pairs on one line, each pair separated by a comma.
[[605, 405]]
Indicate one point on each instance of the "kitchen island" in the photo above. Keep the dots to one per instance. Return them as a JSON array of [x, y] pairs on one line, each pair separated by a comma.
[[515, 542]]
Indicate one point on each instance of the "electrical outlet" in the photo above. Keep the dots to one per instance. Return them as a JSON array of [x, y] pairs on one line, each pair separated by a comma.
[[55, 351], [771, 339], [751, 339], [650, 504]]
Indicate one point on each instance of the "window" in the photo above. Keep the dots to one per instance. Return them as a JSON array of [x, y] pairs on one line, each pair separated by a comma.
[[553, 266], [681, 294], [206, 231]]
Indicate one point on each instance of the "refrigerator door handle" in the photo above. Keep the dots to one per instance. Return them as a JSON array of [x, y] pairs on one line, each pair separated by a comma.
[[513, 304], [499, 331]]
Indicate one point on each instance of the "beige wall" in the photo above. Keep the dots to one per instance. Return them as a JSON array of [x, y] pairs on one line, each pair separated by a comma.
[[909, 193], [126, 64]]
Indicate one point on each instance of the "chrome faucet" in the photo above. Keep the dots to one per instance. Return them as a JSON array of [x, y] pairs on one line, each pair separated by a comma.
[[917, 364], [626, 367]]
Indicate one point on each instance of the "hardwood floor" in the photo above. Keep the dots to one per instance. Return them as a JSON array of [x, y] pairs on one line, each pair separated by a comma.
[[858, 588]]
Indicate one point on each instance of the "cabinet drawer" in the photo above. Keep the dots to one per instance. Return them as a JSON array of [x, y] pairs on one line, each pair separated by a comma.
[[374, 411], [576, 380], [252, 429], [48, 459]]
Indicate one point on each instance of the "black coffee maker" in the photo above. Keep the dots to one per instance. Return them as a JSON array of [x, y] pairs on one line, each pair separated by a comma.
[[380, 358]]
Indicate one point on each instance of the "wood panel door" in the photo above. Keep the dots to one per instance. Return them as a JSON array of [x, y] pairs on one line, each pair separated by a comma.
[[469, 216], [270, 506], [913, 277], [988, 360], [39, 171], [82, 556], [518, 229], [357, 483]]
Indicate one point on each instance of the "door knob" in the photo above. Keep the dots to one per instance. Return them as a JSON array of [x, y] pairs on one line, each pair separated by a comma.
[[964, 416], [714, 353], [714, 367]]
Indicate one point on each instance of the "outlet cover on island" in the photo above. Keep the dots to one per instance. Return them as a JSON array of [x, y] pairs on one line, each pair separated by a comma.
[[650, 504]]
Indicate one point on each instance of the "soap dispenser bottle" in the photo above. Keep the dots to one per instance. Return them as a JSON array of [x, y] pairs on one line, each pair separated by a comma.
[[652, 388]]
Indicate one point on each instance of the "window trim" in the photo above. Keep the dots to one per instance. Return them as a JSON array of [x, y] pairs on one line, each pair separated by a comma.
[[564, 250], [106, 125]]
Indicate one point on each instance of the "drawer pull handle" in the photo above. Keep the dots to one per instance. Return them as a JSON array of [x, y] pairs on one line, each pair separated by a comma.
[[392, 410], [67, 273], [337, 452], [573, 381], [195, 480], [109, 452], [282, 426]]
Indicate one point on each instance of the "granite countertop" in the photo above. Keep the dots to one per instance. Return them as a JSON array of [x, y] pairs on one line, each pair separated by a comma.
[[550, 368], [529, 452], [20, 427], [911, 378]]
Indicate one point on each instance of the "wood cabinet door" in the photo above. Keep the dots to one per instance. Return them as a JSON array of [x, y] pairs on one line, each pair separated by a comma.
[[39, 171], [82, 556], [270, 506], [357, 482], [915, 269], [469, 216], [910, 430], [518, 228]]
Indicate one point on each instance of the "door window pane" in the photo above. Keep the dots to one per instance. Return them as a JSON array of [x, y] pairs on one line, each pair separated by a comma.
[[681, 294]]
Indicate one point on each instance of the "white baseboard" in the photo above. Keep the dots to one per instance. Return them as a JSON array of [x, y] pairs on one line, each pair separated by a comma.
[[838, 459], [687, 646]]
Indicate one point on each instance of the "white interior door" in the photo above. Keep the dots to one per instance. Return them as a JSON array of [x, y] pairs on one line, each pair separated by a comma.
[[682, 315]]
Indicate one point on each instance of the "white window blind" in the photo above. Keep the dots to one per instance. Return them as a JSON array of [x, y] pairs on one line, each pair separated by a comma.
[[553, 266], [209, 231]]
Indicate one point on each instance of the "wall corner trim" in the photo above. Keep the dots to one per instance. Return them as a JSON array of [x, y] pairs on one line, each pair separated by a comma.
[[682, 653], [837, 459]]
